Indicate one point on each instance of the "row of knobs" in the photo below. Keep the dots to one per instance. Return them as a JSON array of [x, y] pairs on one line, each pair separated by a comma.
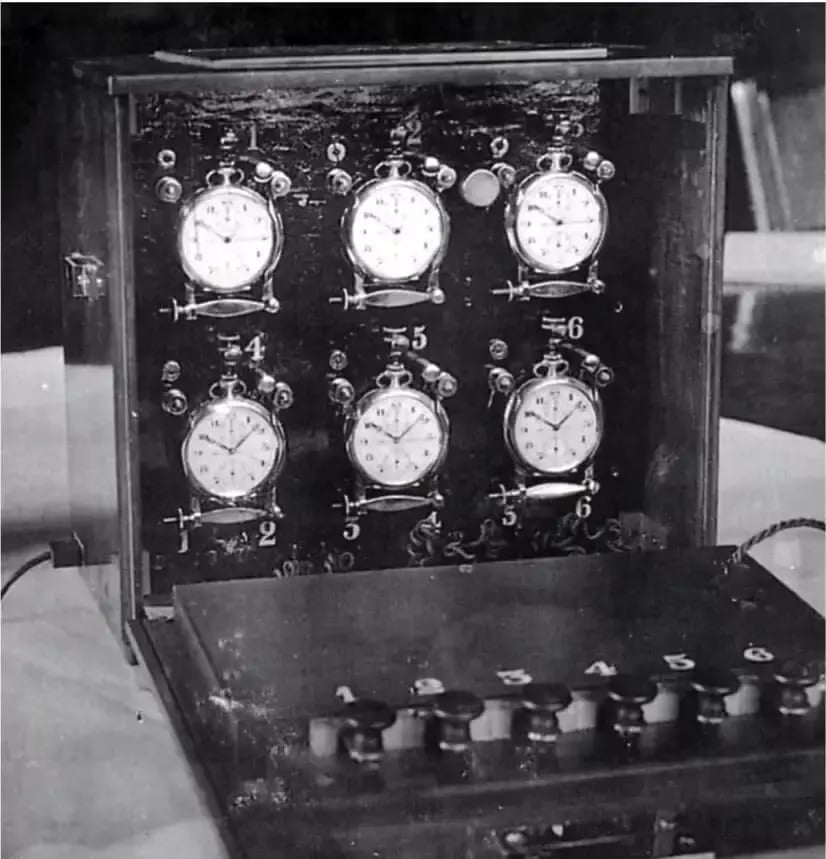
[[363, 720]]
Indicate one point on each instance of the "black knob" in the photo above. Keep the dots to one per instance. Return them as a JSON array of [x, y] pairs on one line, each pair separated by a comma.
[[455, 710], [629, 692], [542, 701], [793, 678], [364, 721], [712, 686]]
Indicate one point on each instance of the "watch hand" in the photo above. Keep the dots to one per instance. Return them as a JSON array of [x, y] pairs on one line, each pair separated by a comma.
[[560, 222], [212, 229], [394, 230], [217, 443], [557, 221], [565, 418], [410, 427], [544, 420], [235, 448], [381, 429]]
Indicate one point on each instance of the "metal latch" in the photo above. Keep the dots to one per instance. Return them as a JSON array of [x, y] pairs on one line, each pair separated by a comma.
[[84, 276]]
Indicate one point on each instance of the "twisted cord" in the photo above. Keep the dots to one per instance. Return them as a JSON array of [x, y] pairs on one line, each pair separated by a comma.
[[739, 553]]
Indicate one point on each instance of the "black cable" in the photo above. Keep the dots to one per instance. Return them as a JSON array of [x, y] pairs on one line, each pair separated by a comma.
[[739, 553], [22, 570]]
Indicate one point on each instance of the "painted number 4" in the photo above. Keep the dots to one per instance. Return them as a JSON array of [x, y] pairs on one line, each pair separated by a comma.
[[515, 677]]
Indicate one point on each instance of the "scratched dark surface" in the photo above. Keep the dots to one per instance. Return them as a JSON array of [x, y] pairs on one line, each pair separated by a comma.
[[293, 129], [273, 654]]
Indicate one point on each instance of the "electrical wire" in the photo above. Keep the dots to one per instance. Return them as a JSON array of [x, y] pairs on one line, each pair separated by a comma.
[[23, 569], [739, 553]]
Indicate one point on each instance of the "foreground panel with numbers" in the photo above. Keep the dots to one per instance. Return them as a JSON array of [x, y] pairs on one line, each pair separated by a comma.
[[641, 702]]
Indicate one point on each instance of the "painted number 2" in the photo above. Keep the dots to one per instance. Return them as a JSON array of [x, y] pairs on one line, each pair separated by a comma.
[[266, 532]]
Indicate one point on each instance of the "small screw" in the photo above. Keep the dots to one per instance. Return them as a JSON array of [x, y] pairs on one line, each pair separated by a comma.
[[263, 171], [336, 152], [280, 184], [171, 371], [168, 189], [498, 349], [337, 360], [591, 160], [606, 170], [166, 159], [499, 147]]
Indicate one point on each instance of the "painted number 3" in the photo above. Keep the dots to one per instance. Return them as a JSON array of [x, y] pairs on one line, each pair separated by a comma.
[[515, 677]]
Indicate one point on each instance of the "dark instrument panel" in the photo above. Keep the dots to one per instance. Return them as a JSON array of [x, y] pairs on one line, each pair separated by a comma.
[[630, 704], [468, 315]]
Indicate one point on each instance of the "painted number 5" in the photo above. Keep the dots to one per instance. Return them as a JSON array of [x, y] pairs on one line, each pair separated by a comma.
[[515, 677], [679, 662]]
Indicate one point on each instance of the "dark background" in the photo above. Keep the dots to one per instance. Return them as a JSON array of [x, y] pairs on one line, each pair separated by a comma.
[[780, 44]]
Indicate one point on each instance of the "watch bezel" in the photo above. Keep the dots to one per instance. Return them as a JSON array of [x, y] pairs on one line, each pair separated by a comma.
[[517, 200], [388, 393], [516, 402], [224, 406], [361, 196], [276, 227]]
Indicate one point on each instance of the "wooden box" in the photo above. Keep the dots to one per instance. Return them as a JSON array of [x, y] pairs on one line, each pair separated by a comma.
[[140, 136]]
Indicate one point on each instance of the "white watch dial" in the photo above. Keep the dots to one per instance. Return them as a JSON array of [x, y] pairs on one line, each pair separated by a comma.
[[554, 426], [559, 222], [227, 238], [232, 449], [397, 439], [396, 229]]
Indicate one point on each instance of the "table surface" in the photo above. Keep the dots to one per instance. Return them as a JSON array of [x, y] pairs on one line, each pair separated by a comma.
[[90, 766]]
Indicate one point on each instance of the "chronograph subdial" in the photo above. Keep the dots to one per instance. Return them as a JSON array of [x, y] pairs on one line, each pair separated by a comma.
[[553, 425], [557, 221], [398, 438], [396, 230], [233, 449], [228, 238]]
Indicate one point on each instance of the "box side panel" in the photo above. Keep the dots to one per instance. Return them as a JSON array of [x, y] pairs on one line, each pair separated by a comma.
[[92, 252], [670, 234]]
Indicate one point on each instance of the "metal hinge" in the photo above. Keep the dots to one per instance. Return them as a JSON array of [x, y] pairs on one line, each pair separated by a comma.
[[84, 276]]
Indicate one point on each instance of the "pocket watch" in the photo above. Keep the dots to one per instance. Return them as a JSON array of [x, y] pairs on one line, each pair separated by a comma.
[[553, 425], [229, 237], [557, 219], [233, 449], [397, 228], [398, 435]]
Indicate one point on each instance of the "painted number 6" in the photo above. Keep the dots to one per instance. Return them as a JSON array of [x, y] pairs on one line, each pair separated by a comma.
[[428, 686]]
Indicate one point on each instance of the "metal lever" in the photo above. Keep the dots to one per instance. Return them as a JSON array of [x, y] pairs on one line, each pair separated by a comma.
[[539, 492], [387, 298], [220, 308], [183, 521], [549, 289]]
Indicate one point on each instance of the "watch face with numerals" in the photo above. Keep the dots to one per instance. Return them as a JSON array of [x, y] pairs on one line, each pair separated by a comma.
[[398, 437], [553, 425], [396, 230], [233, 448], [557, 221], [228, 238]]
